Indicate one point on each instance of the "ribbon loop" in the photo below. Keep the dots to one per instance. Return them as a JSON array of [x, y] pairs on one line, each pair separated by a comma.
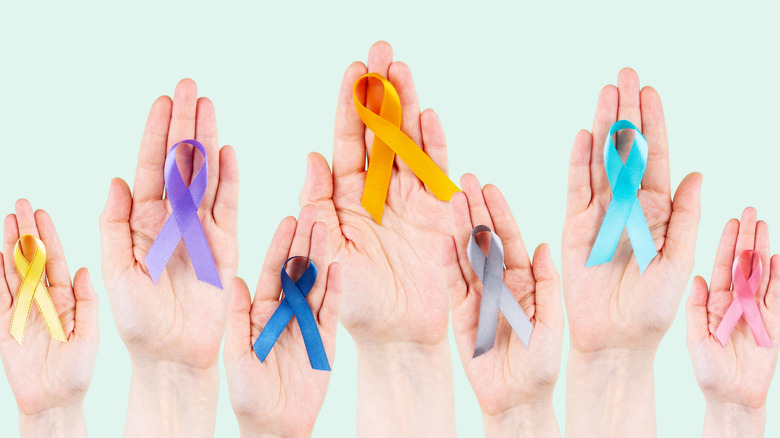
[[624, 210], [33, 288], [390, 140], [744, 302], [184, 223], [294, 304], [496, 296]]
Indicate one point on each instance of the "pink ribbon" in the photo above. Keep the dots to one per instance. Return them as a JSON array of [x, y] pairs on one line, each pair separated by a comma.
[[744, 301]]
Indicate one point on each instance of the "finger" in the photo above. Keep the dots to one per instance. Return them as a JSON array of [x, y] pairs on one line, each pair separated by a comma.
[[579, 194], [116, 239], [225, 209], [56, 267], [656, 176], [724, 258], [238, 336], [380, 57], [478, 210], [762, 248], [149, 178], [628, 106], [401, 78], [269, 286], [182, 127], [461, 219], [515, 254], [606, 115], [328, 316], [434, 142], [746, 238], [772, 299], [10, 237], [87, 308], [696, 311], [302, 241], [25, 220], [549, 307], [318, 190], [349, 144], [206, 134], [5, 292], [318, 253], [680, 243]]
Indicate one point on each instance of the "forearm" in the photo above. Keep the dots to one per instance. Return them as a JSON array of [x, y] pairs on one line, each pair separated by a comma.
[[172, 400], [536, 420], [65, 422], [405, 389], [610, 393], [725, 420]]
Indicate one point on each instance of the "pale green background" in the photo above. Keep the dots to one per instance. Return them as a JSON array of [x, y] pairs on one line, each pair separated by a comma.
[[512, 83]]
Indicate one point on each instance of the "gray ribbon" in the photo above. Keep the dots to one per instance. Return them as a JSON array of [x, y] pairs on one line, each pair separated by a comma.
[[495, 294]]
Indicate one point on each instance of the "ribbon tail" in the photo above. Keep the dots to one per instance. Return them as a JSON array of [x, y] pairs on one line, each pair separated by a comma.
[[728, 322], [514, 314], [641, 239], [311, 334], [488, 323], [272, 330], [756, 323], [380, 169], [50, 316], [20, 316], [162, 249]]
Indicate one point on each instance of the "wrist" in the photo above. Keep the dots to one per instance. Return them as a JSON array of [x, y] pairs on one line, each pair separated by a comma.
[[61, 421], [528, 419], [727, 419]]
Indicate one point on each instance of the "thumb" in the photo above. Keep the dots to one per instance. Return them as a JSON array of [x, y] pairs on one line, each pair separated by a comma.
[[115, 237], [87, 309], [680, 243], [549, 307], [696, 311], [238, 336]]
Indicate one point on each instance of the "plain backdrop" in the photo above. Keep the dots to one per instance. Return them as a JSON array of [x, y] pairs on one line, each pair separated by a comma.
[[512, 82]]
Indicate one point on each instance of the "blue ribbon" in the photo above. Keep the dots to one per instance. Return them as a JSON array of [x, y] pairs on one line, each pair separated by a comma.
[[294, 303], [624, 210]]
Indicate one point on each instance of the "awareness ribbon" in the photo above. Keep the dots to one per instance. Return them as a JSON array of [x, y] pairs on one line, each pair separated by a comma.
[[294, 303], [184, 222], [495, 294], [32, 288], [744, 302], [389, 140], [624, 210]]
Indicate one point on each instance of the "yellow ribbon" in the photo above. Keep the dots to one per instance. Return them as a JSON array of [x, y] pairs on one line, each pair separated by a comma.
[[32, 287], [389, 140]]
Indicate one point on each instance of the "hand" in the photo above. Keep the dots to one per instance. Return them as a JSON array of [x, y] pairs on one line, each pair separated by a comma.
[[617, 316], [173, 330], [736, 377], [508, 380], [395, 306], [49, 378], [282, 395]]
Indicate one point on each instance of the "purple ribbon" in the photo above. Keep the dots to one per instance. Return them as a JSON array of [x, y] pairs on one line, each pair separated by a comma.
[[184, 223]]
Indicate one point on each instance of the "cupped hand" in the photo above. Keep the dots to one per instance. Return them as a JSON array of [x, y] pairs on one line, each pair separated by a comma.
[[283, 394], [393, 272], [180, 319], [44, 373], [739, 372], [508, 375], [612, 305]]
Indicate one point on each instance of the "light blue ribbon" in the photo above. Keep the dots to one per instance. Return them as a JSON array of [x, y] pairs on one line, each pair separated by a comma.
[[624, 210]]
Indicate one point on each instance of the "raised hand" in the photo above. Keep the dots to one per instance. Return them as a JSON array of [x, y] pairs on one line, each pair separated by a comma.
[[282, 395], [514, 385], [735, 378], [49, 378], [395, 302], [173, 330], [617, 317]]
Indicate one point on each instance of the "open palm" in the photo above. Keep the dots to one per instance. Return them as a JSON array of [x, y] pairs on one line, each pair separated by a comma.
[[180, 318], [392, 272], [45, 373], [283, 394], [612, 305], [739, 372], [508, 374]]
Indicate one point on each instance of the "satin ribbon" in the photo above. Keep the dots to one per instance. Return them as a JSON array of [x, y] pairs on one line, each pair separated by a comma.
[[389, 140], [294, 303], [184, 222], [495, 294], [624, 210], [32, 288], [744, 302]]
